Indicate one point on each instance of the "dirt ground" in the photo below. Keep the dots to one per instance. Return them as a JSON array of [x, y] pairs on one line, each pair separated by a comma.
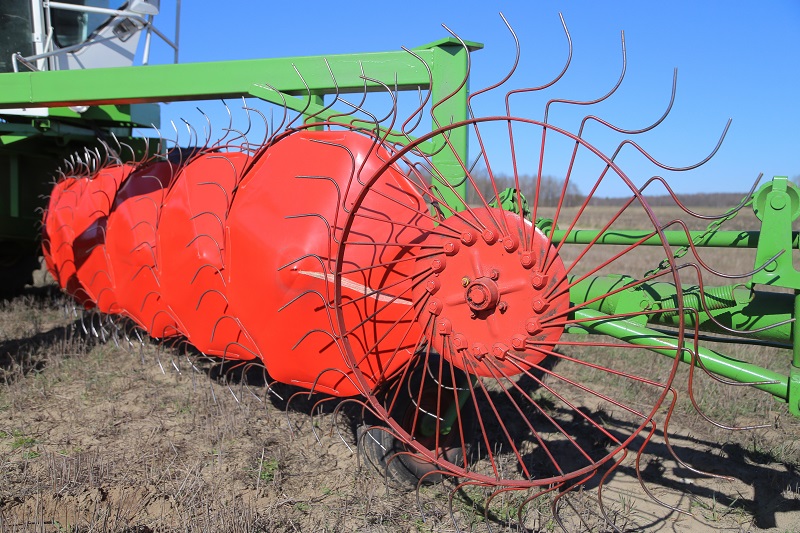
[[100, 437]]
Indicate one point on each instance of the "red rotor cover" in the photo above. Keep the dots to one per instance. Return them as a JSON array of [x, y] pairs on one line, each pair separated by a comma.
[[74, 230], [91, 256], [283, 230], [131, 241], [190, 250]]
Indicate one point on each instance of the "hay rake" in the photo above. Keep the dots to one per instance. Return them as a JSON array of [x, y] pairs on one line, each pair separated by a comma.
[[474, 315]]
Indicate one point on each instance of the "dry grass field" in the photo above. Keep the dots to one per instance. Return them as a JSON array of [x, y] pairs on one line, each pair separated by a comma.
[[145, 437]]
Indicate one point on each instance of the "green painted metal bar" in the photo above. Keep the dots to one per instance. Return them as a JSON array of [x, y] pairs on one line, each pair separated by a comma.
[[794, 373], [449, 94], [318, 111], [764, 315], [222, 79], [665, 344], [719, 239]]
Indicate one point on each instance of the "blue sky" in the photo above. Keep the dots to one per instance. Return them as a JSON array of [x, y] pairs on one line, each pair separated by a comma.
[[736, 59]]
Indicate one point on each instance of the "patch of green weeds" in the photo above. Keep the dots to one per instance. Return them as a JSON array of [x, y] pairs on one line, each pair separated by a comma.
[[30, 455], [21, 441], [302, 506], [267, 469]]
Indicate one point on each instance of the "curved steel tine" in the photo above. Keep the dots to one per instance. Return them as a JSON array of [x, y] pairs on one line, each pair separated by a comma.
[[213, 214], [453, 492], [600, 485], [640, 130], [285, 107], [458, 86], [208, 265], [488, 502], [208, 131], [670, 168], [207, 291], [672, 452], [353, 107], [308, 97], [745, 200], [551, 82], [641, 479], [508, 75], [526, 501], [322, 111], [266, 127]]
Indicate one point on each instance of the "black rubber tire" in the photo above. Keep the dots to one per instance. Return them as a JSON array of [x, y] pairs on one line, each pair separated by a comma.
[[383, 451]]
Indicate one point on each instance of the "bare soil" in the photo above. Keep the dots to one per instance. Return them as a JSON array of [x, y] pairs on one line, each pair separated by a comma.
[[140, 437]]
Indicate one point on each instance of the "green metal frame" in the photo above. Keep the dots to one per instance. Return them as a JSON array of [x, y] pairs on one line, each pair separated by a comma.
[[769, 316]]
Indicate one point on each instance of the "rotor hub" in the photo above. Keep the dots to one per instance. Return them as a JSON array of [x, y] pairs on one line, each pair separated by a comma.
[[492, 292]]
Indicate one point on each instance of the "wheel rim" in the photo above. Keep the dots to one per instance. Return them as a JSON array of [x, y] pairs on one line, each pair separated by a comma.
[[535, 425]]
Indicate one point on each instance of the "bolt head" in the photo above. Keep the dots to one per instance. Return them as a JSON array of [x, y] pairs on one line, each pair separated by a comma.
[[499, 350], [494, 274], [509, 244], [539, 305], [518, 341], [479, 350], [435, 307], [465, 281], [489, 236], [538, 280], [437, 265], [527, 259], [459, 342], [532, 326], [432, 285], [468, 238], [502, 307], [451, 247]]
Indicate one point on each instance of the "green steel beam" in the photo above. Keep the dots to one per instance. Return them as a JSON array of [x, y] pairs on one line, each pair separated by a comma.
[[222, 79], [719, 239], [665, 344], [318, 111]]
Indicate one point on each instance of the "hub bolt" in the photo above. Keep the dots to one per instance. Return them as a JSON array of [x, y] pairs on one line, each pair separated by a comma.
[[459, 342], [489, 236], [468, 238], [502, 307], [494, 274], [509, 244], [435, 307], [499, 350], [479, 350], [465, 281], [527, 259], [539, 305], [437, 265], [445, 326], [532, 326], [518, 341], [451, 247], [538, 280], [432, 285]]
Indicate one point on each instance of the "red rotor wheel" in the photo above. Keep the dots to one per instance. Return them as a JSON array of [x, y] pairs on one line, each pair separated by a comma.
[[500, 339]]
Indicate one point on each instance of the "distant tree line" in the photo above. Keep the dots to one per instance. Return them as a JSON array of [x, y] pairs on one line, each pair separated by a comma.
[[550, 188], [702, 199]]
